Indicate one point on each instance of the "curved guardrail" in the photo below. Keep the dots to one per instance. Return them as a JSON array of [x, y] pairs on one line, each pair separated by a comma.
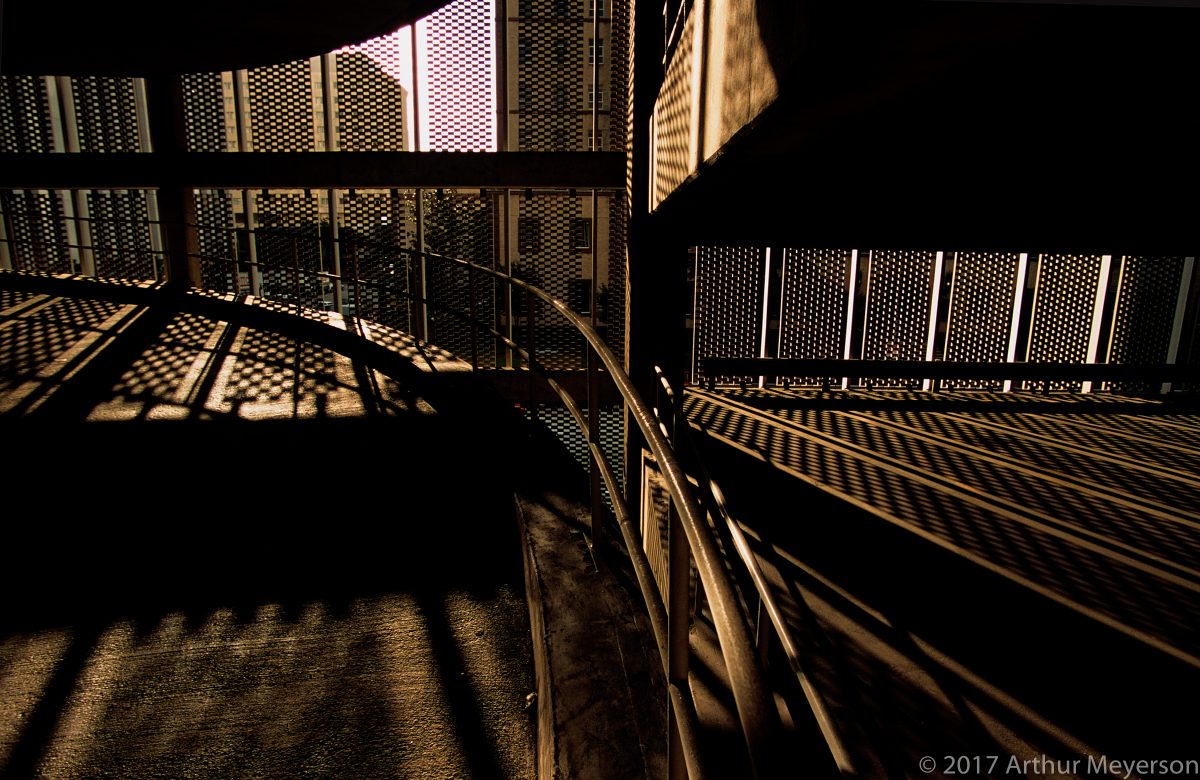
[[692, 538]]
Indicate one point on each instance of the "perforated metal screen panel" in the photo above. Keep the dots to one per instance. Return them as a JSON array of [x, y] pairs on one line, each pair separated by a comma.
[[548, 256], [106, 114], [1145, 312], [25, 124], [370, 105], [900, 288], [729, 298], [1144, 317], [205, 112], [373, 226], [123, 246], [37, 232], [461, 77], [672, 115], [1064, 309], [281, 108], [287, 246], [983, 293], [812, 319], [461, 224], [219, 242]]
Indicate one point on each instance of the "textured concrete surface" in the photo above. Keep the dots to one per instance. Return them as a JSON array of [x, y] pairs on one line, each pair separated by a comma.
[[251, 541]]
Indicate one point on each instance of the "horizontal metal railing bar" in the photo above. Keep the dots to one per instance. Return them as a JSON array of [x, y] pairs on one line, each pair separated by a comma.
[[951, 370], [312, 170]]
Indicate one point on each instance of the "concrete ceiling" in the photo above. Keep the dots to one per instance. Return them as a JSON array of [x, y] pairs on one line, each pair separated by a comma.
[[147, 37]]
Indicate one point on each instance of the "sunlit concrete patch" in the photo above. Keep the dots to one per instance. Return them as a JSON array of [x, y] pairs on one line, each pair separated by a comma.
[[426, 356], [269, 375], [369, 689], [27, 662]]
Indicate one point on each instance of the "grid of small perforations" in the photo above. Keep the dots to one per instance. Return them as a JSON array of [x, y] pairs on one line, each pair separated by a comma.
[[204, 109], [24, 115], [554, 74], [1144, 317], [461, 224], [121, 243], [672, 115], [812, 318], [218, 243], [899, 294], [614, 313], [553, 264], [729, 291], [982, 295], [105, 114], [287, 237], [373, 224], [281, 108], [1064, 306], [370, 103], [38, 238], [461, 77]]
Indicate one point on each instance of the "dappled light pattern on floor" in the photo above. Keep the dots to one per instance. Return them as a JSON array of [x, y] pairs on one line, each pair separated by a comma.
[[975, 573]]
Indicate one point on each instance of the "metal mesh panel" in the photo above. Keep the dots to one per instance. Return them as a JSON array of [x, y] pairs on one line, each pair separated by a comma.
[[24, 115], [729, 291], [1144, 317], [461, 224], [281, 108], [899, 294], [219, 247], [288, 239], [812, 318], [36, 230], [672, 120], [370, 105], [982, 297], [122, 242], [106, 114], [461, 77], [1145, 310], [204, 109], [547, 257], [373, 226], [611, 295], [1063, 309]]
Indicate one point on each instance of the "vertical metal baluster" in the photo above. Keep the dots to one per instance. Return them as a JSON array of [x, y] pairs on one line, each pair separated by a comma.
[[473, 324], [296, 269], [678, 616], [531, 347]]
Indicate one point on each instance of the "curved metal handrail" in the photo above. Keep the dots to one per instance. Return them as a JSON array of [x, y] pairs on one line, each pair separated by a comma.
[[816, 702], [753, 699]]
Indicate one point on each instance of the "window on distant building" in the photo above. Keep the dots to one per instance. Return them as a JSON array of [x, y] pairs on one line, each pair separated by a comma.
[[560, 51], [523, 99], [595, 7], [529, 234], [595, 140], [562, 97], [524, 49], [562, 7], [581, 296], [595, 98], [525, 8], [581, 233], [595, 51]]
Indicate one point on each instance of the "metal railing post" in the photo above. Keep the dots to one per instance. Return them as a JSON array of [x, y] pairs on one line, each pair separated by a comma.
[[471, 307], [531, 348], [593, 401], [296, 269], [678, 625]]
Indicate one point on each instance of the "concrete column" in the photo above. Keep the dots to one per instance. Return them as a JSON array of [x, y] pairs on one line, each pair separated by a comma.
[[176, 201]]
